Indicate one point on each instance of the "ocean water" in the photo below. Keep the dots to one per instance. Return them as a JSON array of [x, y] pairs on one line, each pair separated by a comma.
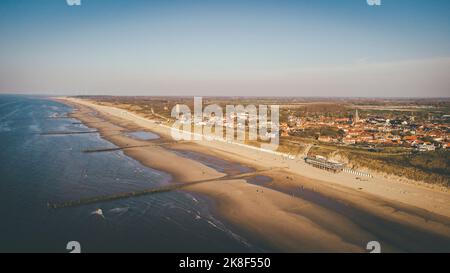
[[36, 169], [143, 135]]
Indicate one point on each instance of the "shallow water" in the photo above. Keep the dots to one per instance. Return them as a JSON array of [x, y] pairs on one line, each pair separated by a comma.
[[39, 169], [142, 135]]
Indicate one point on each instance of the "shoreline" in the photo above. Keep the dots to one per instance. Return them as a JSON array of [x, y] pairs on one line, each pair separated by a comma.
[[434, 199], [301, 225], [235, 230]]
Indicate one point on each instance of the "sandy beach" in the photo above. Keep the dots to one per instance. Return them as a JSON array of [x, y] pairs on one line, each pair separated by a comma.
[[301, 208]]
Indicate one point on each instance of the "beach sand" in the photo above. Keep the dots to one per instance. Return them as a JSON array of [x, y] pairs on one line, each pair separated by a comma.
[[301, 208]]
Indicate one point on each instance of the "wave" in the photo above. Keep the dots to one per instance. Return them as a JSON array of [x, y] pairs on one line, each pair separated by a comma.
[[4, 127], [98, 212], [119, 210]]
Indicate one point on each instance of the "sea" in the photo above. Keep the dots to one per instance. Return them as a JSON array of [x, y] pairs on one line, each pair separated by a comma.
[[37, 170]]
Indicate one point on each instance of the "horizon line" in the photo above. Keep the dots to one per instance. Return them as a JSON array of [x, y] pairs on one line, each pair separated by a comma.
[[229, 96]]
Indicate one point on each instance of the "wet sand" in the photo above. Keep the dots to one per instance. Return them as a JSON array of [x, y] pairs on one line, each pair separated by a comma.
[[288, 211]]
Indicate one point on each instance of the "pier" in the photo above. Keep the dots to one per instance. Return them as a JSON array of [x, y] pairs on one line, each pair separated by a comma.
[[100, 150], [60, 117], [55, 133], [171, 187], [91, 122], [112, 149], [112, 197]]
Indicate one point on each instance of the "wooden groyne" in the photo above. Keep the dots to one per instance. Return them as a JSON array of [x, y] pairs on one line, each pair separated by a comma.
[[112, 197], [171, 187], [54, 133], [107, 149], [85, 123], [100, 150], [60, 117]]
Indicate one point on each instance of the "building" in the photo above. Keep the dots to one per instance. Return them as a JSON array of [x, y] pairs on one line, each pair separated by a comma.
[[348, 140], [326, 139], [426, 147], [322, 163], [356, 116]]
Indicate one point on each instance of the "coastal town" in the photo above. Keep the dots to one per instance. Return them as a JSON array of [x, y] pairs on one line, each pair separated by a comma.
[[375, 130], [404, 138], [287, 180]]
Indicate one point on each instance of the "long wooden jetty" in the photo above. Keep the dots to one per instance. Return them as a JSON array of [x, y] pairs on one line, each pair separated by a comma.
[[88, 122], [59, 117], [54, 133], [171, 187], [100, 150], [112, 197], [112, 149]]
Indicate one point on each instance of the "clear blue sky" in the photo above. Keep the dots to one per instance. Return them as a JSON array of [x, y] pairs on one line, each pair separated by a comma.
[[226, 47]]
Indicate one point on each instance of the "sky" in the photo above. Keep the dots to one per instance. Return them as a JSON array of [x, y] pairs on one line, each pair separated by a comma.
[[332, 48]]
